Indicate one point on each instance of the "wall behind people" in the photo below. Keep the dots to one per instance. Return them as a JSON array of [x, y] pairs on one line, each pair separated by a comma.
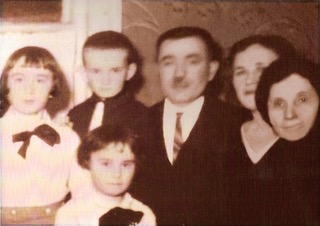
[[228, 22], [142, 21]]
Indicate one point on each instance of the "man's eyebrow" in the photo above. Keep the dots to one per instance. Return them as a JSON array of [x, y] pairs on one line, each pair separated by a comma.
[[238, 67], [166, 57], [193, 55]]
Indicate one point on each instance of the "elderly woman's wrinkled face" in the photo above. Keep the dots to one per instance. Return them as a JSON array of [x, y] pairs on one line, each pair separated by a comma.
[[247, 69], [293, 107]]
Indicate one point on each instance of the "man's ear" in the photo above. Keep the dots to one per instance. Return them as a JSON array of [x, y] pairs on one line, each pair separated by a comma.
[[213, 68], [132, 69]]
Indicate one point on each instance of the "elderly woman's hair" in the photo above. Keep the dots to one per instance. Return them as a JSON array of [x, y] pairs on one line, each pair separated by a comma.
[[35, 56], [278, 71], [279, 45]]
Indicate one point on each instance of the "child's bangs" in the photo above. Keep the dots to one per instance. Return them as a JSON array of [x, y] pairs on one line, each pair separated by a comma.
[[117, 146], [33, 61]]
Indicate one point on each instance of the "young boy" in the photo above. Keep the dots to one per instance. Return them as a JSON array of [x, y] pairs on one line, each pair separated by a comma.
[[110, 155], [112, 67]]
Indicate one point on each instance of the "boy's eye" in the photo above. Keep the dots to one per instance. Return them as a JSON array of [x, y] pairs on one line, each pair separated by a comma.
[[94, 71], [116, 70]]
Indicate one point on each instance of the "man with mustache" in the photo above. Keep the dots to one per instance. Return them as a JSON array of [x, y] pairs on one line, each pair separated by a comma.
[[182, 179]]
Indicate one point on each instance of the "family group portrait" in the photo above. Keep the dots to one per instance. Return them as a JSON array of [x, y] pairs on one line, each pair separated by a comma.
[[149, 112]]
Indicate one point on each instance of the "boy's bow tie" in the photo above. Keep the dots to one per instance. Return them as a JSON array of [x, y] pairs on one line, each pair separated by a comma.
[[44, 131]]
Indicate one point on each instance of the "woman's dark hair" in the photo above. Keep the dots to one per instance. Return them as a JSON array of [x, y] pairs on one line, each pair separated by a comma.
[[101, 137], [280, 70], [41, 58], [279, 45]]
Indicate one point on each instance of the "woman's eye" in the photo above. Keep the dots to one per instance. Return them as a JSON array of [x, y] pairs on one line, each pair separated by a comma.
[[260, 69], [277, 103], [302, 100]]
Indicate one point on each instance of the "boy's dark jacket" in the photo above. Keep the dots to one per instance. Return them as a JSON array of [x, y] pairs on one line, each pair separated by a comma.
[[122, 109]]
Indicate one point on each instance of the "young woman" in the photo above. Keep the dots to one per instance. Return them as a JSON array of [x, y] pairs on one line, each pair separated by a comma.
[[252, 161]]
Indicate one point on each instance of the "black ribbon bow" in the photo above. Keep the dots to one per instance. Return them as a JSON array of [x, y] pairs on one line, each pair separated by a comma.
[[120, 216], [44, 131]]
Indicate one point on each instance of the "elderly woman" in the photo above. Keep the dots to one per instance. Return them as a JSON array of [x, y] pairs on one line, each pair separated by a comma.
[[253, 160], [288, 99]]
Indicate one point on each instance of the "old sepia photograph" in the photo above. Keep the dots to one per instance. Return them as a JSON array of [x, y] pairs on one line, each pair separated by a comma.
[[159, 112]]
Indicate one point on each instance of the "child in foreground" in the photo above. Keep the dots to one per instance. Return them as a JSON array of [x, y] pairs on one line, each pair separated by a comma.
[[109, 154]]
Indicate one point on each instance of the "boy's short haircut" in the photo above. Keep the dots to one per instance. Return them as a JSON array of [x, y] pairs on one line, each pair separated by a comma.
[[105, 40], [111, 40], [101, 137]]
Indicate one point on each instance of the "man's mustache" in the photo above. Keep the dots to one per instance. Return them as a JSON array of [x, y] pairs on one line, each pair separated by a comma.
[[179, 82]]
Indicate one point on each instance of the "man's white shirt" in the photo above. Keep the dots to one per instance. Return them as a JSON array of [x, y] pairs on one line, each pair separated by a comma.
[[189, 118]]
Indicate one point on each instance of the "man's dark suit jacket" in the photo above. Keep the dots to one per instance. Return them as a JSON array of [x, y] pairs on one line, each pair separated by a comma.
[[122, 110], [191, 191]]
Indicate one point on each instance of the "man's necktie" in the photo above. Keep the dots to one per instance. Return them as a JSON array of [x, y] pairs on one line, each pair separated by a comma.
[[97, 116], [120, 216], [177, 141], [44, 132]]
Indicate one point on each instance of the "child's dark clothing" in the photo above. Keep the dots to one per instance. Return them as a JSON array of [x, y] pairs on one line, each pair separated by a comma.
[[122, 109]]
